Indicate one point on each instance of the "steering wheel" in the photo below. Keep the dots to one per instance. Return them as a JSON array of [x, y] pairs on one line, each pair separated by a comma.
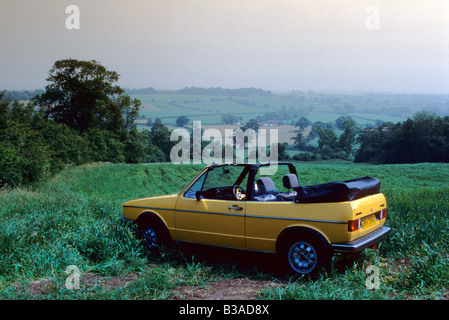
[[239, 192]]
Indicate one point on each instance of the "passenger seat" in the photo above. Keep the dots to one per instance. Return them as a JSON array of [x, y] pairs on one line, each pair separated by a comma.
[[267, 190], [290, 181]]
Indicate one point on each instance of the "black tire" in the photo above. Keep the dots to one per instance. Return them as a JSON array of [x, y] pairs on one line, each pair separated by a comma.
[[305, 256], [153, 237]]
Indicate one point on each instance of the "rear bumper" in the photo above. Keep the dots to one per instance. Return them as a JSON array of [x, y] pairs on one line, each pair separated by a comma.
[[361, 243]]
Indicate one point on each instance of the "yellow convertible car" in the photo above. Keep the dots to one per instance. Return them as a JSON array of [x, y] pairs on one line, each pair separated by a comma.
[[237, 206]]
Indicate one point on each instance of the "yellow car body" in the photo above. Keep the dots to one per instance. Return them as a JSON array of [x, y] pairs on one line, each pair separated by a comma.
[[251, 224]]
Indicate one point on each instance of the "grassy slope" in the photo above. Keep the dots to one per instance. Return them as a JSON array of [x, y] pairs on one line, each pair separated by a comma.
[[72, 220], [209, 109]]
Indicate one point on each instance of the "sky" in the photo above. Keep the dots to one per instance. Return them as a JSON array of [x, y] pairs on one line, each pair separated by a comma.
[[397, 46]]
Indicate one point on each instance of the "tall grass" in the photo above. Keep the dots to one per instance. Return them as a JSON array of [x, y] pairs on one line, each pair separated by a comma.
[[72, 219]]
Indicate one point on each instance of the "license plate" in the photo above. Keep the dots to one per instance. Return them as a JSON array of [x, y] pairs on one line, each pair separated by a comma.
[[368, 221]]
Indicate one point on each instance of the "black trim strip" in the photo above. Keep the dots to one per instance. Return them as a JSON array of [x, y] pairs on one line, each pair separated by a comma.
[[147, 207], [243, 215], [298, 219], [211, 212]]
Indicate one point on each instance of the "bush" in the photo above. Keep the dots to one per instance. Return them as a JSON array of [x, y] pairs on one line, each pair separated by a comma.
[[67, 147], [306, 156], [24, 155], [423, 138]]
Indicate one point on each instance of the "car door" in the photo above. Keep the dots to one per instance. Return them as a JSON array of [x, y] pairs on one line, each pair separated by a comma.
[[210, 220]]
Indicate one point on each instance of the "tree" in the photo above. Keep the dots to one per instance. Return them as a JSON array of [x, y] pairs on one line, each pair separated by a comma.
[[299, 140], [134, 147], [347, 139], [83, 95], [3, 111], [303, 123], [24, 155], [332, 147], [282, 152], [160, 137], [182, 121], [370, 149], [251, 124], [129, 109], [158, 120], [339, 121], [317, 127], [229, 118], [328, 144]]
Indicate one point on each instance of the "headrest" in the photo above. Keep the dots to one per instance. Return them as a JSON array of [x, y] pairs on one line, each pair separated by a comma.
[[265, 185], [290, 181]]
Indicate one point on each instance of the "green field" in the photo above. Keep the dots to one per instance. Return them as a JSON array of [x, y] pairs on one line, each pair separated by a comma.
[[71, 219], [326, 107]]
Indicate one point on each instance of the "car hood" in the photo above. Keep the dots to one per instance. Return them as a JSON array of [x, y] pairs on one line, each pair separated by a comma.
[[162, 202]]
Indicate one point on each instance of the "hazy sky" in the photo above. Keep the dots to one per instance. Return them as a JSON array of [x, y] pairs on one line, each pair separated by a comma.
[[343, 45]]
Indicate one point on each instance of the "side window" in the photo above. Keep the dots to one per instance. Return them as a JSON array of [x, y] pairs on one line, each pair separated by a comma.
[[196, 186], [276, 178]]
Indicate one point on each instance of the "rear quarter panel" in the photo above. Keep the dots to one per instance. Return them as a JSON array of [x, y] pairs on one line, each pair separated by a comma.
[[266, 220]]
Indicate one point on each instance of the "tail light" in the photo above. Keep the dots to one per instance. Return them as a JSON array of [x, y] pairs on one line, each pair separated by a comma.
[[354, 225], [382, 214]]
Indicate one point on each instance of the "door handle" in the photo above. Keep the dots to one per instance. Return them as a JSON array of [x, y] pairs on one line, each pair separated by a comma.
[[235, 208]]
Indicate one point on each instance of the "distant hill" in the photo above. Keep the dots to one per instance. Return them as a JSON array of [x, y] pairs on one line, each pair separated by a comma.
[[217, 91], [21, 95]]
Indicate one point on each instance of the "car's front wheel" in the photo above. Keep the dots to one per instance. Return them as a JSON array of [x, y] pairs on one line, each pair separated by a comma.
[[153, 237]]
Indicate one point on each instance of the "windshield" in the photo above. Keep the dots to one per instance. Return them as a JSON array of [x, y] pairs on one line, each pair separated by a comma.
[[218, 182]]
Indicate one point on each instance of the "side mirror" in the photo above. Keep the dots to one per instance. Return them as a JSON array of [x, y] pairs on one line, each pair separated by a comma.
[[198, 195]]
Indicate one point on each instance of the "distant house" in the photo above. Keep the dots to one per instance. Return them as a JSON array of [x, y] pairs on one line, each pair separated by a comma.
[[271, 123]]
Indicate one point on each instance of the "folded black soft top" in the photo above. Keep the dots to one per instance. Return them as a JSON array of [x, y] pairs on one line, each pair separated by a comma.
[[338, 191]]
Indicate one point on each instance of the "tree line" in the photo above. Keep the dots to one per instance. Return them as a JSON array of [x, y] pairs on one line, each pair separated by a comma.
[[330, 145], [422, 138], [283, 114], [82, 116], [20, 95], [217, 91]]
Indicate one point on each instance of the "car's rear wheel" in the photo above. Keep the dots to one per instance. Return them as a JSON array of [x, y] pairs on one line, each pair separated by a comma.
[[302, 257], [305, 256]]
